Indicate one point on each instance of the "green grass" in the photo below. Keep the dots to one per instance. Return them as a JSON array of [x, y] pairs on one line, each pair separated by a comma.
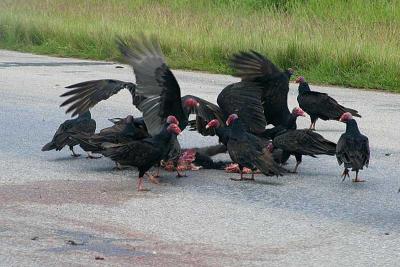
[[344, 42]]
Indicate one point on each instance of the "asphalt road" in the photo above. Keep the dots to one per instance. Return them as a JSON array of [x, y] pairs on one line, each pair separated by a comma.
[[58, 210]]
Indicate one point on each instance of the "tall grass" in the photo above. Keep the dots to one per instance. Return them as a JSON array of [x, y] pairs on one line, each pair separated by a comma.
[[344, 42]]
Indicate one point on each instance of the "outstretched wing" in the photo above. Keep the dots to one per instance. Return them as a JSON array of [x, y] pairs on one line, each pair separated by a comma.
[[86, 95], [251, 65], [154, 80], [244, 99], [254, 67]]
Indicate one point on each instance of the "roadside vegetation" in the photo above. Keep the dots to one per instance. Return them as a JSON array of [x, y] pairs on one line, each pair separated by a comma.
[[349, 43]]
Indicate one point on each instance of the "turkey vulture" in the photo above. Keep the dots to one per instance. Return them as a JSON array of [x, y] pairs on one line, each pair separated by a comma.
[[319, 105], [144, 153], [302, 142], [249, 151], [352, 148], [256, 69], [84, 124]]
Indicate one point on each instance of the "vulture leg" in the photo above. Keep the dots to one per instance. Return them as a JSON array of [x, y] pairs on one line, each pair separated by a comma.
[[313, 121], [298, 161], [73, 152], [345, 174], [91, 156], [140, 182], [242, 175], [157, 174], [152, 178], [139, 185], [357, 180]]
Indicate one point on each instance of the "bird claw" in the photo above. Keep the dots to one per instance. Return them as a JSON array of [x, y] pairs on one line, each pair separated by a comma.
[[75, 155], [345, 174], [153, 179], [358, 180]]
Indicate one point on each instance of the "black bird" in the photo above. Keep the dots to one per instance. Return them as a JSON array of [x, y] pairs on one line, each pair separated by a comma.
[[320, 105], [300, 142], [352, 148], [144, 153], [249, 151], [123, 131], [256, 69], [84, 124]]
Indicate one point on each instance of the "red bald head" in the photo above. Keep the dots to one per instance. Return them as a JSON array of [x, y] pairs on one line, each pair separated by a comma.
[[213, 124], [270, 147], [174, 128], [300, 79], [231, 119], [172, 119], [346, 117], [191, 103], [298, 112]]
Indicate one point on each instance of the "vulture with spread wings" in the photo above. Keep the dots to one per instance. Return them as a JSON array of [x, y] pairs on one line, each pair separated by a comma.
[[254, 68], [156, 93]]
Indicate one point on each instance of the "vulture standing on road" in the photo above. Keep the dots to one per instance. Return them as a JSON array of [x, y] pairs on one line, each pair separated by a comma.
[[302, 142], [352, 148], [249, 151], [144, 153], [319, 105], [256, 69], [84, 124]]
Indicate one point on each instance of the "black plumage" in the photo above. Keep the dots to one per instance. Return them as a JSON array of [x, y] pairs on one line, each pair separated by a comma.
[[256, 69], [123, 131], [250, 151], [84, 124], [85, 95], [320, 105], [353, 148], [144, 153], [302, 142]]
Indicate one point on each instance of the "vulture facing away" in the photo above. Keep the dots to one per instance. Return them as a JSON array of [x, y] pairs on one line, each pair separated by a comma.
[[84, 124]]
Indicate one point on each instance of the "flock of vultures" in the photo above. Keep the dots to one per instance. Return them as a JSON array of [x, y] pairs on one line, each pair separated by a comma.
[[239, 119]]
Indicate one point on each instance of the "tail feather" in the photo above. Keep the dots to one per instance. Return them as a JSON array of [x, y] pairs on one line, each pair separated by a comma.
[[266, 164], [49, 146]]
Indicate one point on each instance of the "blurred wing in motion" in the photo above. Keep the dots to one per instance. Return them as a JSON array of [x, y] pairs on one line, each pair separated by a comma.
[[86, 95]]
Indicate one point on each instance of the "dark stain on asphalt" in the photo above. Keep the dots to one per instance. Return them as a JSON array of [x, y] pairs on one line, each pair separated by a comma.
[[102, 245]]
